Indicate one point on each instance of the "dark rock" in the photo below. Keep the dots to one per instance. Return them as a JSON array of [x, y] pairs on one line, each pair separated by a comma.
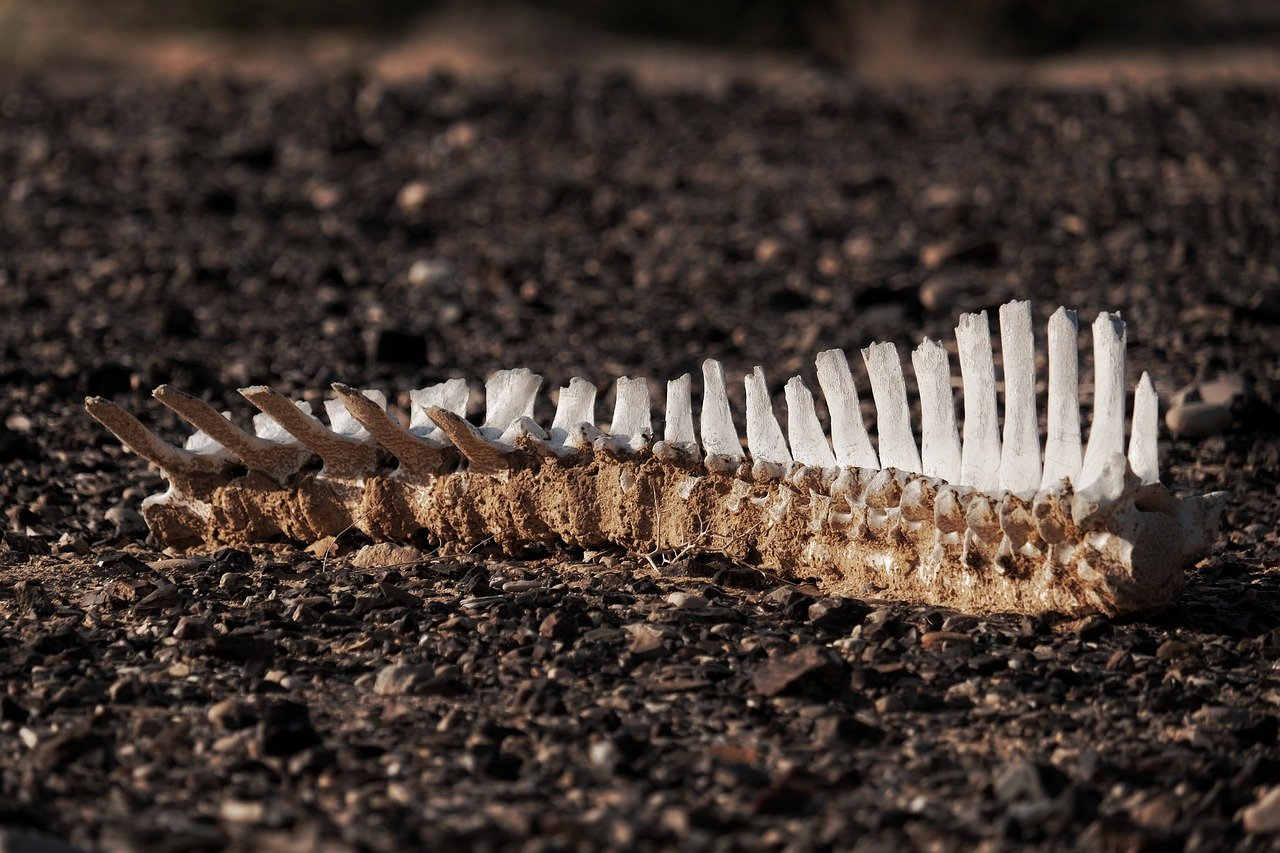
[[1023, 779], [838, 614], [285, 728], [811, 671]]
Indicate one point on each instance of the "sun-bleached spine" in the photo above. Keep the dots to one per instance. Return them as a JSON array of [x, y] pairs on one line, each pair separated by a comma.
[[939, 435], [980, 451], [893, 415], [1062, 453], [1108, 539], [804, 431], [849, 438], [1106, 431], [1020, 447]]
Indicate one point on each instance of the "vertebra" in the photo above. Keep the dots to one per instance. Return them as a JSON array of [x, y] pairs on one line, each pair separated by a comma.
[[981, 523]]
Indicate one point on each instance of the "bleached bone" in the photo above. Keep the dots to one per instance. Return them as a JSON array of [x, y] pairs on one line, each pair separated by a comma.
[[632, 427], [893, 415], [980, 453], [275, 459], [1062, 455], [577, 406], [808, 443], [342, 456], [1020, 453], [1106, 433], [1099, 534], [764, 435], [719, 435], [849, 436], [939, 435], [418, 456], [678, 438]]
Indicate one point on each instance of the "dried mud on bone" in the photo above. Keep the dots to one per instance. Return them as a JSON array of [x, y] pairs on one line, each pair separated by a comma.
[[1088, 530]]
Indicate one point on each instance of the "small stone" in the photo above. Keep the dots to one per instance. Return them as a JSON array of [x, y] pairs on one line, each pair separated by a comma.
[[1198, 420], [812, 671], [242, 811], [836, 613], [1170, 649], [413, 196], [402, 678], [942, 639], [558, 626], [127, 521], [285, 729], [1263, 815], [646, 642], [233, 580], [326, 547], [686, 601], [427, 273], [385, 554], [231, 714], [192, 628], [1022, 779]]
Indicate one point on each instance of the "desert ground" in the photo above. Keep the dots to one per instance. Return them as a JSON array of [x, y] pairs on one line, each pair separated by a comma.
[[213, 233]]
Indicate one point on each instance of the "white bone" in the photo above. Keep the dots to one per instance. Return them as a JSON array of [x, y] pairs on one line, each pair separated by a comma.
[[764, 435], [451, 396], [1062, 455], [508, 394], [1020, 452], [980, 453], [940, 437], [341, 420], [808, 442], [268, 429], [678, 431], [849, 436], [1144, 456], [576, 406], [1106, 432], [632, 427], [719, 435], [893, 416]]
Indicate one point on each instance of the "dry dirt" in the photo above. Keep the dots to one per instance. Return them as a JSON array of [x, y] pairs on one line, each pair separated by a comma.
[[215, 234]]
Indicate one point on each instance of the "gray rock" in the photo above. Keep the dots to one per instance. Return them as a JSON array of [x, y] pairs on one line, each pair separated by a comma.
[[402, 678], [127, 522]]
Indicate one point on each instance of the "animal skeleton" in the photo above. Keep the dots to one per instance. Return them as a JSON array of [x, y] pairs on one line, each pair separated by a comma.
[[982, 523]]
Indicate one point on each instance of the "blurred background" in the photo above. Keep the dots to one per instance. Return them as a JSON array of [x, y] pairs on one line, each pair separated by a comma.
[[896, 39]]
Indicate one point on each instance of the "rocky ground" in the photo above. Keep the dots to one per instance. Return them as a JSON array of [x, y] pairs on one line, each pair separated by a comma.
[[215, 234]]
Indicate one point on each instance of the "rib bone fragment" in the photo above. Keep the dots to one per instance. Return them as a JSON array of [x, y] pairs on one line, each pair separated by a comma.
[[982, 523]]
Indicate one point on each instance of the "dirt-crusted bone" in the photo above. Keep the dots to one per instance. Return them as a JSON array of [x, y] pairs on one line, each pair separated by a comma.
[[995, 520]]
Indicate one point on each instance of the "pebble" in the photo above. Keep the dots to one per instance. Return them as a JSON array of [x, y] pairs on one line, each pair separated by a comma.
[[402, 678], [686, 601], [813, 671], [1198, 420], [1263, 815], [128, 522], [231, 714], [385, 554]]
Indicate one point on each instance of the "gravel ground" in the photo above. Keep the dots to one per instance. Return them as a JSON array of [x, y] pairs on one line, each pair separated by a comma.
[[215, 235]]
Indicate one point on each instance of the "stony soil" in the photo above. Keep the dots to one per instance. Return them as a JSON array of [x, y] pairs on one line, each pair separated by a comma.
[[214, 235]]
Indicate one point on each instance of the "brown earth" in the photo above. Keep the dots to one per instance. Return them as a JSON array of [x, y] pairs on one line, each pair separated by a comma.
[[215, 234]]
